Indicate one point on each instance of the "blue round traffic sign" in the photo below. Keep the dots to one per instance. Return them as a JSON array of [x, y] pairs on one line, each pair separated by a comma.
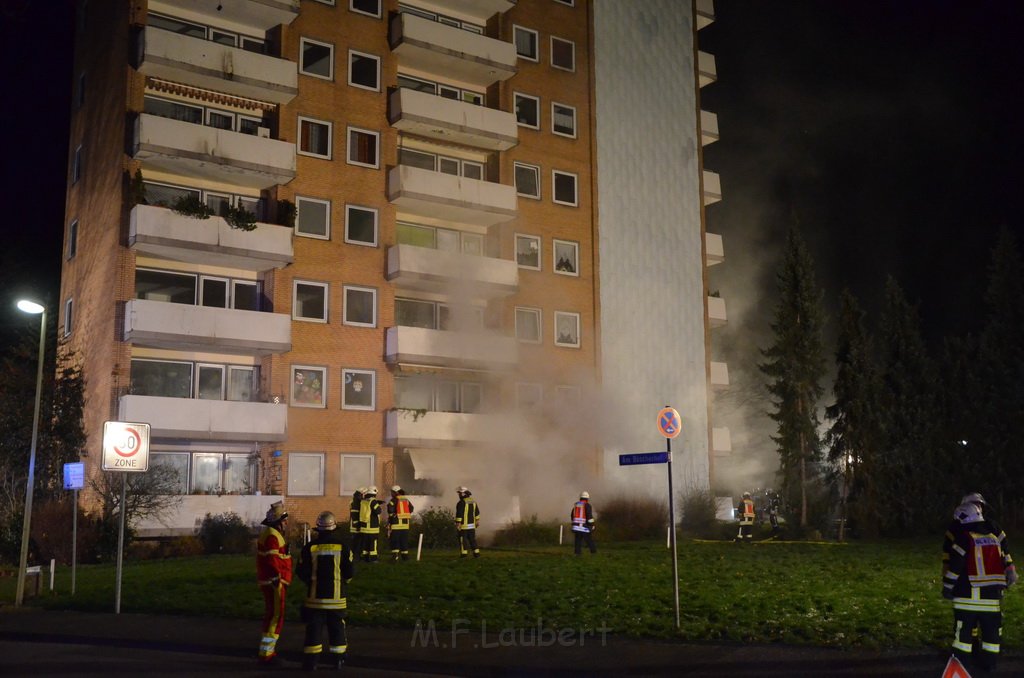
[[669, 423]]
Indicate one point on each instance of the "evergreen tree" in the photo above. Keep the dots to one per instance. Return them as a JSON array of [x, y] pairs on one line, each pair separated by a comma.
[[794, 366], [854, 434]]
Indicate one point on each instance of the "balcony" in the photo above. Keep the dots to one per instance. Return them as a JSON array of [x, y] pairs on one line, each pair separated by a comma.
[[211, 154], [705, 13], [221, 68], [712, 187], [404, 428], [719, 375], [721, 441], [163, 324], [159, 232], [433, 47], [450, 199], [439, 348], [452, 121], [259, 14], [707, 72], [186, 517], [195, 419], [716, 311], [714, 249], [479, 10], [438, 271], [708, 128]]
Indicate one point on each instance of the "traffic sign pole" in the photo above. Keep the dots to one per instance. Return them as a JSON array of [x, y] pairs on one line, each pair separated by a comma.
[[125, 449], [120, 546], [672, 524]]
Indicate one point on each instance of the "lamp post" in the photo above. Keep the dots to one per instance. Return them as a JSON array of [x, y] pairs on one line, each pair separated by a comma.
[[33, 308]]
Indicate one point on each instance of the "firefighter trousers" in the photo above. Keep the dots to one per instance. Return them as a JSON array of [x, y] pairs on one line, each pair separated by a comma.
[[274, 596], [990, 628], [467, 541]]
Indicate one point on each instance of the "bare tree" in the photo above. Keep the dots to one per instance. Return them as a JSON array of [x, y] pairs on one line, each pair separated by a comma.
[[148, 494]]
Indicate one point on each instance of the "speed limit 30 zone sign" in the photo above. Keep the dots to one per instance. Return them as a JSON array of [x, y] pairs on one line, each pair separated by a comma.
[[125, 446]]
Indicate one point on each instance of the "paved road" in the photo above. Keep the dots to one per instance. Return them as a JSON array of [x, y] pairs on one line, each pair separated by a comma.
[[36, 642]]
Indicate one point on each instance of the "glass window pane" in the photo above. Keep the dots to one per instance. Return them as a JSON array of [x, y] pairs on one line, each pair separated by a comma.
[[173, 110], [527, 180], [250, 205], [419, 236], [361, 225], [176, 466], [447, 240], [246, 296], [360, 306], [473, 243], [161, 378], [310, 301], [472, 170], [413, 393], [165, 196], [312, 217], [362, 147], [308, 386], [527, 112], [527, 324], [214, 292], [447, 397], [471, 396], [237, 474], [220, 120], [564, 120], [240, 381], [416, 84], [317, 59], [449, 92], [177, 288], [473, 98], [565, 188], [356, 471], [315, 137], [367, 7], [249, 126], [210, 383], [176, 26], [206, 473], [358, 389], [528, 251], [305, 474], [363, 70], [407, 156], [448, 166], [526, 43], [414, 313], [563, 54]]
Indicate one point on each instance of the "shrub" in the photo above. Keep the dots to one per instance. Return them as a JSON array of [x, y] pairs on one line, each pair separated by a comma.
[[437, 525], [225, 533], [191, 206], [697, 508], [240, 218], [527, 533], [286, 213], [632, 519]]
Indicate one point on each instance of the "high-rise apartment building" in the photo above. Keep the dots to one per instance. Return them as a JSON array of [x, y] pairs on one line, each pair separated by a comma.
[[328, 244]]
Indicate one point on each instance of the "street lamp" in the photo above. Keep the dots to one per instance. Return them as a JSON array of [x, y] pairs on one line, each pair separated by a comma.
[[35, 309]]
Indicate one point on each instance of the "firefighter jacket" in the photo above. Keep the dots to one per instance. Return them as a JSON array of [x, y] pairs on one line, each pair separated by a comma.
[[353, 513], [399, 512], [746, 510], [326, 567], [272, 560], [369, 515], [582, 516], [955, 527], [977, 568], [467, 514]]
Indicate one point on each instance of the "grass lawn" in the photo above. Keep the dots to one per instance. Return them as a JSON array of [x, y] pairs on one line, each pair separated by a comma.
[[842, 595]]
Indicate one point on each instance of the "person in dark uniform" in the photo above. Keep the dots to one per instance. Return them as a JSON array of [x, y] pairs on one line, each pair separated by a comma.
[[582, 516], [746, 512], [467, 517], [354, 526], [399, 517], [326, 568]]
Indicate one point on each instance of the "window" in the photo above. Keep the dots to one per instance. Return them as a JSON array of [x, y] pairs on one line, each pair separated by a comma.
[[360, 225], [360, 306], [563, 54], [563, 120], [309, 301], [528, 251], [528, 395], [437, 395], [368, 7], [164, 378], [416, 313], [76, 166], [357, 391], [440, 238], [305, 474], [563, 188], [566, 257], [527, 179], [69, 316], [72, 239], [316, 59], [525, 41], [176, 26], [177, 470], [245, 296], [567, 329], [527, 110], [213, 292], [356, 472], [528, 324], [362, 148], [209, 382], [174, 110], [176, 288], [309, 386], [314, 138], [240, 383], [313, 218], [364, 70]]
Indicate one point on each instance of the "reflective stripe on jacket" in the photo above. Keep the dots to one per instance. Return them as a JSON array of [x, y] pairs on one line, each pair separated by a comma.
[[582, 516], [272, 559], [467, 514], [326, 567], [369, 516], [747, 515], [399, 512]]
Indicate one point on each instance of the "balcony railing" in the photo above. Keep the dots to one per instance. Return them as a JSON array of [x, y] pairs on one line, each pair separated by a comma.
[[159, 232], [714, 248], [452, 121], [438, 271], [721, 441], [407, 428], [719, 375], [707, 71], [259, 14], [712, 187], [186, 517], [716, 311], [708, 128], [194, 419], [449, 198], [433, 47], [481, 10], [439, 348], [705, 13]]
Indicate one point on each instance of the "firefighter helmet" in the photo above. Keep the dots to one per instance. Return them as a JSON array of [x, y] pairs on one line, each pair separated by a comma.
[[275, 513], [968, 513], [372, 489], [461, 489], [746, 495], [397, 489], [974, 498], [361, 490], [325, 521], [584, 495]]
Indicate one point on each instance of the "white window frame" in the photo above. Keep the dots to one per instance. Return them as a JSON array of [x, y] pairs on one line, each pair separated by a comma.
[[540, 324], [323, 386], [346, 491], [520, 95], [574, 316], [327, 300], [551, 53], [344, 305], [575, 188], [540, 251], [296, 457], [353, 53], [574, 122], [330, 137], [72, 248], [345, 374], [320, 43], [299, 199], [348, 147], [575, 260], [536, 43], [352, 8], [376, 224], [69, 316], [539, 182]]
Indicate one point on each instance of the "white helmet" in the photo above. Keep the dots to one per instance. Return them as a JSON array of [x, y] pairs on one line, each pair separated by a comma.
[[397, 489], [461, 489], [968, 513], [325, 521], [974, 498], [584, 495], [372, 489]]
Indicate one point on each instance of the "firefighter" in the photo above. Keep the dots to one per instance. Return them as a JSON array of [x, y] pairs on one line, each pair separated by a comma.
[[369, 524], [583, 523], [746, 511], [325, 567], [980, 570], [773, 514], [274, 573], [399, 515], [354, 526], [467, 517], [955, 526]]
